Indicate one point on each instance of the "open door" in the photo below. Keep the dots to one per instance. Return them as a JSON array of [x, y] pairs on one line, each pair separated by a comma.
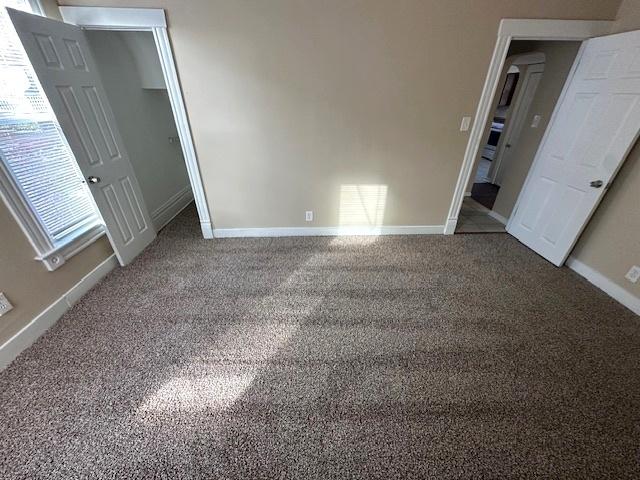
[[594, 125], [65, 67]]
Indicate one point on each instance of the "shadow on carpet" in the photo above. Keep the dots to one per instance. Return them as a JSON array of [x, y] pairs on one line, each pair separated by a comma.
[[329, 358]]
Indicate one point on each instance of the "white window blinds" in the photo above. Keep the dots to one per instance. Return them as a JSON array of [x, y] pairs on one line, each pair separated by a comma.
[[32, 146]]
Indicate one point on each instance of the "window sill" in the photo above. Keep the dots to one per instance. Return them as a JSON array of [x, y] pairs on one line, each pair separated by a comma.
[[56, 257]]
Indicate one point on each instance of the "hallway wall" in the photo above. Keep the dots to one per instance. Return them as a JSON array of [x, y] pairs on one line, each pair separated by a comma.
[[559, 57], [144, 115]]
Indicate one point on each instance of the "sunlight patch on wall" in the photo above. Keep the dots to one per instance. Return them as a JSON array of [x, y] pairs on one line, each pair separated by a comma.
[[362, 206]]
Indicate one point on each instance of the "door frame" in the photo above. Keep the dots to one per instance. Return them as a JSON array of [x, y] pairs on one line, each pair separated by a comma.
[[513, 29], [153, 20], [518, 114]]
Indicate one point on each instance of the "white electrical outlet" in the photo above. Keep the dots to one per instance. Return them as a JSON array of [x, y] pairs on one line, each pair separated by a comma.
[[633, 275], [308, 216], [464, 125], [5, 305]]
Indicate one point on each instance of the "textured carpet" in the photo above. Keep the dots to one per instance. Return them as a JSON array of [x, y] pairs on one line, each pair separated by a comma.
[[323, 358]]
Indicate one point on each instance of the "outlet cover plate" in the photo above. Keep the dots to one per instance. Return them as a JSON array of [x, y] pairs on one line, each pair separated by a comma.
[[308, 216], [633, 275], [5, 305]]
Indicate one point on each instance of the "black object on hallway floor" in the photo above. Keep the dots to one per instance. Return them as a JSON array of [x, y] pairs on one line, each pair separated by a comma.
[[485, 193]]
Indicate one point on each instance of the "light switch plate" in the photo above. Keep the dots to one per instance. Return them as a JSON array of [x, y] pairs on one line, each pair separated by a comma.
[[5, 305], [633, 275], [464, 126], [536, 121]]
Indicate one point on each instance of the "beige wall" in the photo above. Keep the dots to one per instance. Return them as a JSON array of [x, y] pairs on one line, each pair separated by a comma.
[[611, 242], [628, 17], [289, 100], [559, 57], [26, 282]]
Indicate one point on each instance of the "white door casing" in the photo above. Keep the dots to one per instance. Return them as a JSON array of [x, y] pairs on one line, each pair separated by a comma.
[[530, 81], [153, 20], [65, 67], [511, 29], [593, 127]]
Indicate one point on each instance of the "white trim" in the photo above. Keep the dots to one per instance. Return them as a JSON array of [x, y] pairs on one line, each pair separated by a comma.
[[512, 29], [113, 17], [605, 284], [482, 114], [534, 29], [182, 123], [166, 212], [207, 230], [22, 212], [47, 318], [47, 252], [36, 7], [153, 20], [327, 231], [450, 226], [495, 215], [59, 255]]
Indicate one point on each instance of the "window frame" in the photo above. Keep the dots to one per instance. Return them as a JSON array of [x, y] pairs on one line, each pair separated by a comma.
[[51, 255], [36, 7]]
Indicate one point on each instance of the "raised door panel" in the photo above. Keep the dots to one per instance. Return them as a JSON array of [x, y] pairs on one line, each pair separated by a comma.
[[594, 126], [65, 67]]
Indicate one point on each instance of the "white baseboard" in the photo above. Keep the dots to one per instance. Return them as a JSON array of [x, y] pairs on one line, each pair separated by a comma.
[[605, 284], [207, 230], [450, 227], [46, 319], [467, 194], [166, 212], [327, 231], [498, 217]]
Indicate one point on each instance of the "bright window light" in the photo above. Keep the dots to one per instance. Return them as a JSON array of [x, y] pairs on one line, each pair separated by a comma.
[[362, 205], [33, 149]]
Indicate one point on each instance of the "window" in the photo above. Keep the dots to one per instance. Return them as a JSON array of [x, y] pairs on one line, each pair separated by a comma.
[[39, 177]]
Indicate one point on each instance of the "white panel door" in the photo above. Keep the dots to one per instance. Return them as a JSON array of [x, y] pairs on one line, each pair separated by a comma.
[[65, 67], [594, 125]]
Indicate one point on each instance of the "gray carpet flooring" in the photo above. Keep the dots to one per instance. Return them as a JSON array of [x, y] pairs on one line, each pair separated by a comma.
[[329, 358]]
